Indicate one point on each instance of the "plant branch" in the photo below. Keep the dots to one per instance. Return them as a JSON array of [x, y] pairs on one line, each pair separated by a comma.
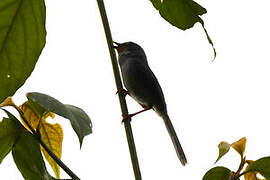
[[241, 174], [47, 149], [128, 129], [241, 166]]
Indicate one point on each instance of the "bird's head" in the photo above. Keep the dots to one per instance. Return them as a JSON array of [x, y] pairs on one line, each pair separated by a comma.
[[127, 47]]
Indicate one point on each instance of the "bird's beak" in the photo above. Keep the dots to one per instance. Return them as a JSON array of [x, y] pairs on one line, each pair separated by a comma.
[[118, 47], [118, 44]]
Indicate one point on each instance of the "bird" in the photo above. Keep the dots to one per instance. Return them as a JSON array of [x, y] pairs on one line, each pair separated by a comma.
[[142, 85]]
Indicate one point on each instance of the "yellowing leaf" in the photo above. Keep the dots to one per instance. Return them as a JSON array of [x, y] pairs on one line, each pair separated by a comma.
[[223, 147], [51, 134], [251, 175], [31, 116], [240, 146], [7, 102]]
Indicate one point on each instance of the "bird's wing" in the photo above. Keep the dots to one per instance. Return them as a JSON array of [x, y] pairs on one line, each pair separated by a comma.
[[144, 86]]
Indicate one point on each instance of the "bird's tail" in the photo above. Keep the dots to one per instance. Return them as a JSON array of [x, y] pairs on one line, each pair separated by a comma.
[[178, 148]]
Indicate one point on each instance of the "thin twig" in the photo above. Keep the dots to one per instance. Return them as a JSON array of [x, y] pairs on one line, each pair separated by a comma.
[[129, 134], [241, 166]]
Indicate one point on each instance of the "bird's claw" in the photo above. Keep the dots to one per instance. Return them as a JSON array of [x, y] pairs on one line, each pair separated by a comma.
[[126, 117], [122, 91]]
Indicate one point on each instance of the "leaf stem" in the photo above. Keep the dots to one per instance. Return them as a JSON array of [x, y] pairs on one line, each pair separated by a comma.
[[241, 174], [241, 166], [47, 149], [123, 105]]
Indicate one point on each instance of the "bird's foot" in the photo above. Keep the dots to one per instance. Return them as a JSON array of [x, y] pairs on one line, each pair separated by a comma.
[[123, 92], [144, 106], [128, 117]]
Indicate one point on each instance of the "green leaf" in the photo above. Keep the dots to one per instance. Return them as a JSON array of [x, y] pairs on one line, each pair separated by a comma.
[[22, 38], [37, 108], [262, 166], [218, 173], [9, 132], [156, 3], [183, 14], [223, 147], [79, 120], [27, 156]]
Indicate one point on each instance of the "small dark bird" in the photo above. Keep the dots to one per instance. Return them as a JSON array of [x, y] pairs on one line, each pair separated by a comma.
[[143, 86]]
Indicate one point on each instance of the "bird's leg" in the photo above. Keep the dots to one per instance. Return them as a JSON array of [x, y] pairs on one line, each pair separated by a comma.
[[143, 106], [122, 91], [126, 117]]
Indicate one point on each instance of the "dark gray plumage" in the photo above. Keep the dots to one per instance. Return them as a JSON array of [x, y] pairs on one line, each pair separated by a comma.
[[143, 86]]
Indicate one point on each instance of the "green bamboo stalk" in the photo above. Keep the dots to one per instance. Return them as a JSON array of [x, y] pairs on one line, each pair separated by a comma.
[[123, 104]]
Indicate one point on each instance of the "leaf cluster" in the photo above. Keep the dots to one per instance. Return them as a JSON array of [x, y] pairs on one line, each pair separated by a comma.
[[26, 139], [252, 168]]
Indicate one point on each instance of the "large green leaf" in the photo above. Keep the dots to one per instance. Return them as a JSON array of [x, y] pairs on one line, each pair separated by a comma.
[[22, 38], [262, 166], [27, 156], [218, 173], [9, 132], [79, 120], [182, 14]]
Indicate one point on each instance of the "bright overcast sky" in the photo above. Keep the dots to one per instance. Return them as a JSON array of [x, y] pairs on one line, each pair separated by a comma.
[[207, 102]]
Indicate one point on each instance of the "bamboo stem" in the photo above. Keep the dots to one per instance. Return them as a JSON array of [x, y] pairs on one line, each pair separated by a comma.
[[123, 105]]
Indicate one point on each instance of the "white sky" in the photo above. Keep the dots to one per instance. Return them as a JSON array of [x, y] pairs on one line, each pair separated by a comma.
[[208, 102]]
